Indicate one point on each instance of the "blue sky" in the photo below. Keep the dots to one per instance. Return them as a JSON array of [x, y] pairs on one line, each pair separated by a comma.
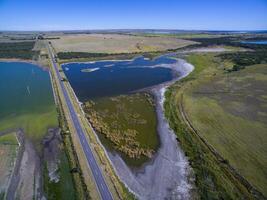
[[119, 14]]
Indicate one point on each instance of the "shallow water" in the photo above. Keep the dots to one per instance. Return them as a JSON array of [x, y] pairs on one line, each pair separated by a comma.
[[263, 42], [24, 88], [108, 78]]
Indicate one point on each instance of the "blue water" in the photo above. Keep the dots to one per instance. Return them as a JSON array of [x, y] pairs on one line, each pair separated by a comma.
[[263, 42], [111, 78]]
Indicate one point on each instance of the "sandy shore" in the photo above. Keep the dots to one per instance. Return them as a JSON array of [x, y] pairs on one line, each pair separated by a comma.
[[166, 176], [19, 60], [38, 64]]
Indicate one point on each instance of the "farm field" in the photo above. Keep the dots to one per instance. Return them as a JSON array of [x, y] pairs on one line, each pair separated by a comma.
[[115, 43]]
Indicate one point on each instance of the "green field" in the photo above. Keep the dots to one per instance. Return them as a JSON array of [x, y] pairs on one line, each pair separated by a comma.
[[126, 123], [228, 111]]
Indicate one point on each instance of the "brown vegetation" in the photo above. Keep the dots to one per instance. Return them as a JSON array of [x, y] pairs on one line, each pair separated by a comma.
[[128, 122], [124, 140]]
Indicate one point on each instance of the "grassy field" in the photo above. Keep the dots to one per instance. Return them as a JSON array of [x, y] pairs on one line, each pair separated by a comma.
[[235, 124], [228, 111], [115, 43], [127, 124], [8, 152]]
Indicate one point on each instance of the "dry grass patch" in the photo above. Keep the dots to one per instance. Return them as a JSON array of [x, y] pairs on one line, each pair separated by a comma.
[[116, 43]]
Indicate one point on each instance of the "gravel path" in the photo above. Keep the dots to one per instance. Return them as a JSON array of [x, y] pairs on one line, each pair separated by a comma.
[[166, 176]]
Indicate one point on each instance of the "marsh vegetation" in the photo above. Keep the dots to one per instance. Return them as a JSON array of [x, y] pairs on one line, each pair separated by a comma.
[[128, 122]]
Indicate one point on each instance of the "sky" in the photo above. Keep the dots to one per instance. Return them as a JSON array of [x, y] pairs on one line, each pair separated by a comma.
[[133, 14]]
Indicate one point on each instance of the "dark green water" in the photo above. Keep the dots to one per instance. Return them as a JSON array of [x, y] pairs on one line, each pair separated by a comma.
[[24, 88]]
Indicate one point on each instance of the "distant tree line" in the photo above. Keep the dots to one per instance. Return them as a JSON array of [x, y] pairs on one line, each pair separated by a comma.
[[22, 38], [240, 59], [21, 50], [243, 59], [40, 37], [70, 55], [73, 55], [227, 40]]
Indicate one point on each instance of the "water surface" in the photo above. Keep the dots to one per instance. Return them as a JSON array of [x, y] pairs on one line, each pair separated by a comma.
[[109, 78], [26, 98], [263, 42]]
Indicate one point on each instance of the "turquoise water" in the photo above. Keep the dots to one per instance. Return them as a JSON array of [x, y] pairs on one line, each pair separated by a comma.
[[24, 88], [110, 78], [263, 42]]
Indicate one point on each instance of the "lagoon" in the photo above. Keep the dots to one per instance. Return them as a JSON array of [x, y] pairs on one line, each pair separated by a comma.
[[27, 100], [111, 78]]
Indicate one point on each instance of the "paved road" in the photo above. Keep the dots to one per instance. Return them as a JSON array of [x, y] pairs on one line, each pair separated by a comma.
[[99, 179]]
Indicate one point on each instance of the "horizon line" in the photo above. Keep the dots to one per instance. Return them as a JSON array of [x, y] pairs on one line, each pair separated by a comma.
[[129, 29]]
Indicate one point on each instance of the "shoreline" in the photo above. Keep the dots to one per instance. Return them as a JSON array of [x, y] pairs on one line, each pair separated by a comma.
[[169, 161], [27, 151], [142, 182], [94, 61], [30, 61]]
